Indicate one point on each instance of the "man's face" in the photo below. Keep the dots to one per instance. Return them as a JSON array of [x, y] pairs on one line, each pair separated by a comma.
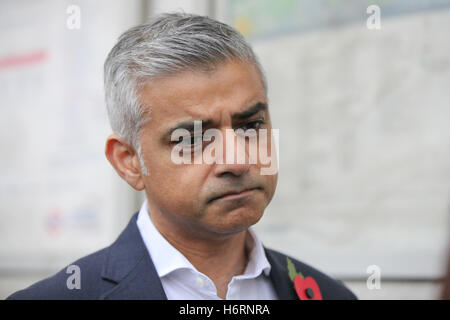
[[206, 198]]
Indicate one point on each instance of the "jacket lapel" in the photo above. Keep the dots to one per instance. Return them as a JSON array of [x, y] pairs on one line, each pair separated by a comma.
[[280, 277], [130, 266]]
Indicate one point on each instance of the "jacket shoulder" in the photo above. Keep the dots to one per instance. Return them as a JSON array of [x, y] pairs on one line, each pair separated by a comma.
[[64, 286], [330, 288]]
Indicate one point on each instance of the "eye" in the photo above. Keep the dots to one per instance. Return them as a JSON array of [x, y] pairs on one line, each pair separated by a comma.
[[252, 125], [192, 140]]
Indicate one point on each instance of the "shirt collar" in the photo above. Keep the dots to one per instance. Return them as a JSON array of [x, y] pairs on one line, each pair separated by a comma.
[[167, 258]]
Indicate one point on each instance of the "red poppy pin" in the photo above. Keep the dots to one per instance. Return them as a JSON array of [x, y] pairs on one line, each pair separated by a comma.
[[306, 288]]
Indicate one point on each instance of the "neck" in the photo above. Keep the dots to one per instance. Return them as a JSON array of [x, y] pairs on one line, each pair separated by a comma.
[[218, 257]]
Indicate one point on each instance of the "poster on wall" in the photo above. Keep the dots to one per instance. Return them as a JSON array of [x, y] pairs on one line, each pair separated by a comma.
[[59, 197]]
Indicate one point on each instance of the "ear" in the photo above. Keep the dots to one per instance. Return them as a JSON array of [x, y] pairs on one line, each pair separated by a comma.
[[125, 161]]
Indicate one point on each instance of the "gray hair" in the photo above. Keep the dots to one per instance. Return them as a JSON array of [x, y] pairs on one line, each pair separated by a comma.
[[168, 44]]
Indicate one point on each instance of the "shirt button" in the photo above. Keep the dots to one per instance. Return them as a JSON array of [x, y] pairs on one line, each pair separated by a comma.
[[200, 282]]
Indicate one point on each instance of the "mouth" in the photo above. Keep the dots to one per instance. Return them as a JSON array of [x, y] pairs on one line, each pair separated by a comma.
[[234, 195]]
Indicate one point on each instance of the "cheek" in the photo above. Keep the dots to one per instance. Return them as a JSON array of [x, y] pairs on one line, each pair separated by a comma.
[[271, 184], [174, 188], [171, 187]]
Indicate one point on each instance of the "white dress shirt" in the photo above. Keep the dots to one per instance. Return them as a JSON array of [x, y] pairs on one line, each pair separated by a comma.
[[181, 280]]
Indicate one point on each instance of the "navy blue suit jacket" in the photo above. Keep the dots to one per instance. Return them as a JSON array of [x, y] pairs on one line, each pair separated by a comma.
[[125, 270]]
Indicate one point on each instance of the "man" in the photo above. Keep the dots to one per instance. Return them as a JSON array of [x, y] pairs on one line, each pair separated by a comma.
[[169, 84]]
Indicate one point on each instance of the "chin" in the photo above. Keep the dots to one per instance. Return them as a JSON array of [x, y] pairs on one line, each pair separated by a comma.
[[237, 220]]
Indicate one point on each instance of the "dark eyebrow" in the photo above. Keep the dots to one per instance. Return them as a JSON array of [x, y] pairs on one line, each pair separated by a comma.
[[254, 109], [189, 124]]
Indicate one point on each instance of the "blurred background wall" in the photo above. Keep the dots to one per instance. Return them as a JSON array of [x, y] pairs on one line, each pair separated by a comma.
[[363, 115]]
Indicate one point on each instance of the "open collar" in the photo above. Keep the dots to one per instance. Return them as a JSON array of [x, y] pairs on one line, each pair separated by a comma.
[[129, 265], [168, 259]]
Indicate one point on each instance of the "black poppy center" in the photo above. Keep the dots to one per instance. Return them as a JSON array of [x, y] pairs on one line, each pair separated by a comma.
[[309, 293]]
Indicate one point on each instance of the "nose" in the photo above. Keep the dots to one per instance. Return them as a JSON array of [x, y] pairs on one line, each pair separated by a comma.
[[231, 165]]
